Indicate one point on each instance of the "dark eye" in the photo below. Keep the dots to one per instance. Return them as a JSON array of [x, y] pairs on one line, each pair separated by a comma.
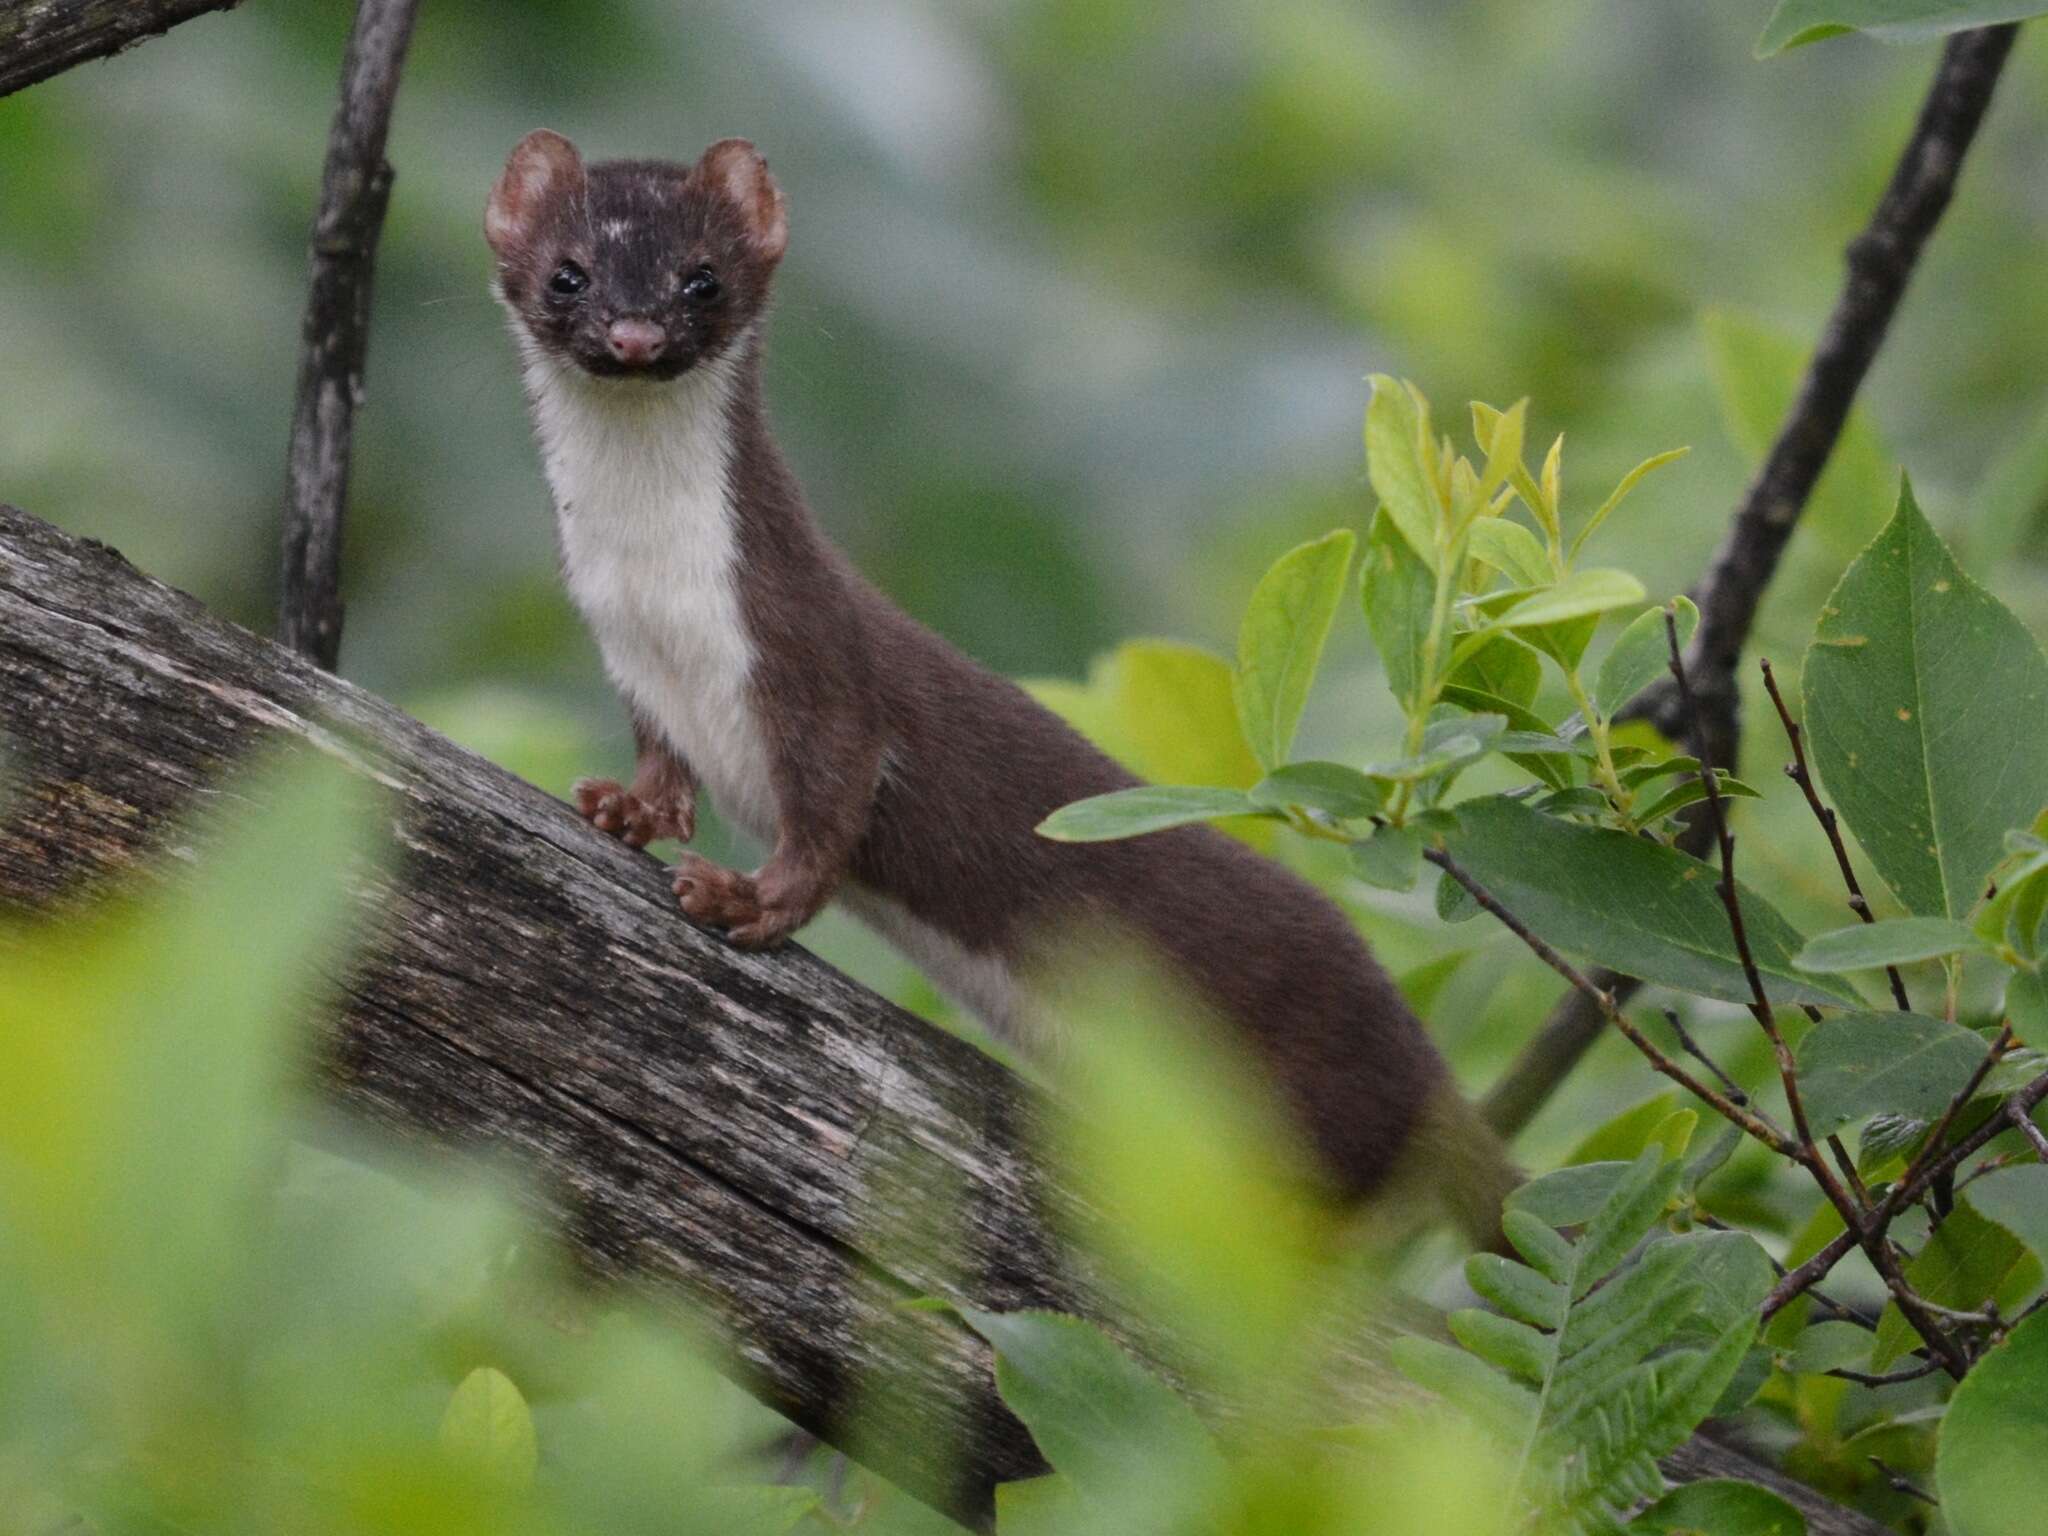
[[701, 286], [568, 280]]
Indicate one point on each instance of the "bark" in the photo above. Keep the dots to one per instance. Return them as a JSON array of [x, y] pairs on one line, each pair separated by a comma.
[[41, 38], [743, 1131]]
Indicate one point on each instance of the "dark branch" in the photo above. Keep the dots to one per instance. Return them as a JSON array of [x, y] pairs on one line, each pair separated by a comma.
[[737, 1131], [355, 186], [1880, 261], [1880, 264], [41, 38]]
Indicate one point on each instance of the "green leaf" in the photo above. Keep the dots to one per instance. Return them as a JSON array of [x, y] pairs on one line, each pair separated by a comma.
[[1515, 1347], [2017, 1199], [1994, 1441], [1503, 1408], [1569, 1197], [1628, 483], [1511, 549], [1166, 711], [2014, 919], [1390, 859], [1733, 1273], [1098, 1416], [1516, 1289], [1895, 941], [1914, 684], [1962, 1265], [1280, 643], [1039, 1506], [2026, 1004], [1830, 1346], [488, 1427], [1398, 592], [1719, 1506], [1624, 1137], [1449, 744], [1893, 21], [1396, 435], [1860, 1064], [1499, 436], [1579, 595], [1521, 720], [1455, 904], [1332, 788], [1640, 655], [1140, 809], [1503, 668], [1636, 906], [1679, 796]]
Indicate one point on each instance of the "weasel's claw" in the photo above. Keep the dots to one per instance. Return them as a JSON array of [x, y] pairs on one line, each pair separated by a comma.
[[610, 807], [717, 897]]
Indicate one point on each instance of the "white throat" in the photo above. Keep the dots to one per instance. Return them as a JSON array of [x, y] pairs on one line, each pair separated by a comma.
[[642, 478]]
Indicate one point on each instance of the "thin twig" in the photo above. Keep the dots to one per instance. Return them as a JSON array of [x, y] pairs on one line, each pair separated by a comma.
[[355, 187], [1691, 1048], [1900, 1483], [1880, 263], [1756, 1125], [2033, 1134], [1851, 1208], [1798, 772], [1889, 1378], [1993, 1054]]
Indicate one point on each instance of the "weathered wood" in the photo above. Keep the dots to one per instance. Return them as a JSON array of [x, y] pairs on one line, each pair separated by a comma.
[[745, 1129], [41, 38], [355, 189]]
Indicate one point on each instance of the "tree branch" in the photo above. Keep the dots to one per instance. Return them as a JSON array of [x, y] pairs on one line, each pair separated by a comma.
[[41, 38], [742, 1131], [355, 187], [1880, 263]]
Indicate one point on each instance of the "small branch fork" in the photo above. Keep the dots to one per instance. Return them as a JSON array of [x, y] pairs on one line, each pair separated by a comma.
[[1866, 1223], [1880, 263], [1847, 1194], [355, 187], [1797, 772]]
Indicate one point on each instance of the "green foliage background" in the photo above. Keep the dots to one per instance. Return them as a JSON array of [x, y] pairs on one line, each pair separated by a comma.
[[1072, 341]]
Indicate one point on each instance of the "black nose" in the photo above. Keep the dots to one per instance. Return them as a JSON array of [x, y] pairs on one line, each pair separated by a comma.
[[635, 342]]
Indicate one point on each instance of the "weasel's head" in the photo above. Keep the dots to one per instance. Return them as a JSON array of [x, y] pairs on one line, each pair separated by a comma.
[[634, 268]]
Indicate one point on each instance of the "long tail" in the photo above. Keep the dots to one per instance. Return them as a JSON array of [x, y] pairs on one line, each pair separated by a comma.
[[1454, 1167]]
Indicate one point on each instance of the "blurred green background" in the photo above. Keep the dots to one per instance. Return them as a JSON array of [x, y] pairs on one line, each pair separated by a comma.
[[1073, 333]]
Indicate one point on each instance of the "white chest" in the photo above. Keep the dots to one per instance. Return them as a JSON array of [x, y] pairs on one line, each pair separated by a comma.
[[650, 547]]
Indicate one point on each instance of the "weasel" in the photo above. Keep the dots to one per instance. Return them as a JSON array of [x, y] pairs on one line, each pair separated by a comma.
[[879, 764]]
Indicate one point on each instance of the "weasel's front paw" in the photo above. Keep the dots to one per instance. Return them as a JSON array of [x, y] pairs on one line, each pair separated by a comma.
[[610, 807], [724, 898]]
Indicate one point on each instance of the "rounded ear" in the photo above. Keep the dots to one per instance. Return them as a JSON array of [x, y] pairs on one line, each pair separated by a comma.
[[542, 167], [736, 169]]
